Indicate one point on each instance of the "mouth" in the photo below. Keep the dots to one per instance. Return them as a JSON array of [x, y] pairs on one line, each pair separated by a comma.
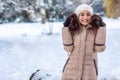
[[85, 21]]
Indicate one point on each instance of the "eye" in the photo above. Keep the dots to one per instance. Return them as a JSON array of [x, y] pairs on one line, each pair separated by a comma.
[[82, 14], [88, 14]]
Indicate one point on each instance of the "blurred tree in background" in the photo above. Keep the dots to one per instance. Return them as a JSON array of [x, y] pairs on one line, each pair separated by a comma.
[[109, 8], [112, 8], [117, 8], [55, 10]]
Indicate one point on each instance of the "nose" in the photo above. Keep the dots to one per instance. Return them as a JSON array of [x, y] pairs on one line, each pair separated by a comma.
[[85, 17]]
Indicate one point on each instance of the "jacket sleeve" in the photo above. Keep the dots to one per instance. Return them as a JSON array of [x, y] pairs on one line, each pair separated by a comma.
[[100, 40], [67, 39]]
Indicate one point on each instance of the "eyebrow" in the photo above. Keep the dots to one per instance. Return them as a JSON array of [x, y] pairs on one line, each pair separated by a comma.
[[85, 13]]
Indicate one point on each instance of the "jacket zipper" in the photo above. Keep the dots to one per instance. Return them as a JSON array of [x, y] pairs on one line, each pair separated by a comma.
[[84, 50]]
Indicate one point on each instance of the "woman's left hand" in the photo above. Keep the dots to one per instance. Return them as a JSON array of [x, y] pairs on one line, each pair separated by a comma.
[[97, 21]]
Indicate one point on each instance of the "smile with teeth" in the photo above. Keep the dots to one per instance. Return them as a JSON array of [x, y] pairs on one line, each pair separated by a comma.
[[85, 20]]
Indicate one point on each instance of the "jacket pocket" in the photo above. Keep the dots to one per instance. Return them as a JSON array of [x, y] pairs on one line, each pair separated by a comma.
[[95, 66], [65, 64]]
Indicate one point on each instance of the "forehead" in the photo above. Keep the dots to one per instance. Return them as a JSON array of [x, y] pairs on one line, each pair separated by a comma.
[[85, 11]]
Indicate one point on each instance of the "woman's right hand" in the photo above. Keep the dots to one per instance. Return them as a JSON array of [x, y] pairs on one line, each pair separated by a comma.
[[67, 22], [72, 22], [71, 19]]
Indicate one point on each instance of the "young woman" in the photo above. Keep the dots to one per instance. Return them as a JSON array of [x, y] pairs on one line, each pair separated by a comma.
[[83, 36]]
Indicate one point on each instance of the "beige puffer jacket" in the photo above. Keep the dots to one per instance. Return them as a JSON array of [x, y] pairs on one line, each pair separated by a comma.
[[83, 47]]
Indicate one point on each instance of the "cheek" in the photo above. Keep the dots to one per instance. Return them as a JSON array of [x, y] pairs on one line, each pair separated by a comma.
[[89, 18], [80, 19]]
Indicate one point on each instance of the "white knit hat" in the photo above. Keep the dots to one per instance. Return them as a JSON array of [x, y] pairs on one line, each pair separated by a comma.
[[83, 7]]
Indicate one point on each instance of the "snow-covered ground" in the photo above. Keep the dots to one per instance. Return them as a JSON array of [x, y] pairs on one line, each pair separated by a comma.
[[27, 47]]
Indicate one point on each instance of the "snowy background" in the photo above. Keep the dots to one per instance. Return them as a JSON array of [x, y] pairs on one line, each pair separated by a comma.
[[27, 47]]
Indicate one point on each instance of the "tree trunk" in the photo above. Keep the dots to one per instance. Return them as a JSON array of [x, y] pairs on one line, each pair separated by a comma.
[[117, 8]]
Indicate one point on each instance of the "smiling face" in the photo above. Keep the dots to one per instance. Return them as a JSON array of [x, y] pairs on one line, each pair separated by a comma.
[[85, 17]]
